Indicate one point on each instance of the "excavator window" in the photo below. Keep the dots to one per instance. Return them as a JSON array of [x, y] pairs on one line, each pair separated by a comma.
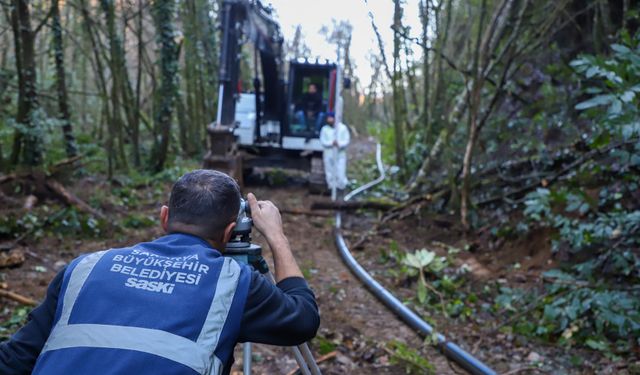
[[309, 98]]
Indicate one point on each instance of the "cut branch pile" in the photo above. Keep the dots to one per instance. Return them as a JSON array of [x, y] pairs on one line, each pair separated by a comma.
[[509, 182], [499, 183], [510, 185]]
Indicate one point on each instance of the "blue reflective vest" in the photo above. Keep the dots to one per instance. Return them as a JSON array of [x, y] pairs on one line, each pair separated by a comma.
[[171, 306]]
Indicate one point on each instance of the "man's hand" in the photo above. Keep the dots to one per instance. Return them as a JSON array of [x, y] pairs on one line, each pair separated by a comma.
[[267, 220]]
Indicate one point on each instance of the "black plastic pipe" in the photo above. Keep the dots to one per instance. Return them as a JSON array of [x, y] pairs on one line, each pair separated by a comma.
[[449, 349]]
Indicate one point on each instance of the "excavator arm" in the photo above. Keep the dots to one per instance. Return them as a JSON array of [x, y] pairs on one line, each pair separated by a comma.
[[249, 20]]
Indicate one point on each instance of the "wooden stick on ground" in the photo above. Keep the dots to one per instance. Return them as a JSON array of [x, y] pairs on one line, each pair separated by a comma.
[[18, 298], [325, 357]]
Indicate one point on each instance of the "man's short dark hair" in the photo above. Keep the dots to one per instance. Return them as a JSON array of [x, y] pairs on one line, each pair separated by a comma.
[[207, 199]]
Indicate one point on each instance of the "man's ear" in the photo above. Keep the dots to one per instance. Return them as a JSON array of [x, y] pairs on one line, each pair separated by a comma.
[[164, 218], [228, 230]]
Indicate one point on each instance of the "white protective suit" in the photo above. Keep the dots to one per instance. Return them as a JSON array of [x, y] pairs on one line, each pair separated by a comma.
[[335, 157]]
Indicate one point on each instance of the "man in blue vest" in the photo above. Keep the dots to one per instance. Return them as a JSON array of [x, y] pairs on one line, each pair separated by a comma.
[[171, 306]]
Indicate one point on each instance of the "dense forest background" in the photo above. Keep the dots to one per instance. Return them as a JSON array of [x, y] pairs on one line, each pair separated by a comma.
[[518, 116]]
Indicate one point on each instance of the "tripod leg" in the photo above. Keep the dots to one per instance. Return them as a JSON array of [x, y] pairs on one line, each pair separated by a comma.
[[308, 356], [301, 352], [301, 362], [246, 358]]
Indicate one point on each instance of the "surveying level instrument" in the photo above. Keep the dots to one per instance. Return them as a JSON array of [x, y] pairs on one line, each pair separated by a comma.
[[242, 250]]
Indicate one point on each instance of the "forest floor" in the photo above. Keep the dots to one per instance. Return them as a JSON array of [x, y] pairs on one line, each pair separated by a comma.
[[358, 335]]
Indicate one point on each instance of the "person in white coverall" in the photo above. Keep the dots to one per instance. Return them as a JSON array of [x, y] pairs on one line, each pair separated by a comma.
[[335, 139]]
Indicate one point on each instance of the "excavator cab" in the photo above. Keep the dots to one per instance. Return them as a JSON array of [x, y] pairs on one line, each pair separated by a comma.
[[303, 122]]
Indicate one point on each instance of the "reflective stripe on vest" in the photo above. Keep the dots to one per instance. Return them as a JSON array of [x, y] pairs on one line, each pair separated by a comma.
[[197, 355]]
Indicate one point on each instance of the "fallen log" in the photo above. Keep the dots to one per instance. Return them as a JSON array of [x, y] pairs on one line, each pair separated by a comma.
[[59, 166], [340, 205], [18, 298], [291, 211], [70, 199], [52, 170]]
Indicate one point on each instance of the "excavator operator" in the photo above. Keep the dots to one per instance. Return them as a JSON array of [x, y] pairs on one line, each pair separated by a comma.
[[309, 109]]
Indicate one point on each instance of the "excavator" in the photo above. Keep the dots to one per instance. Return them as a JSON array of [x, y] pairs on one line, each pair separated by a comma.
[[262, 126]]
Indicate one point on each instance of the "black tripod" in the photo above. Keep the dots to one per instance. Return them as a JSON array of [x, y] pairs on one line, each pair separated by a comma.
[[251, 254], [242, 250]]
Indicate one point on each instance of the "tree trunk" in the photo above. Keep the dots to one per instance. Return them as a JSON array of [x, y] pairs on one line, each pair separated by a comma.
[[116, 64], [5, 50], [486, 43], [3, 87], [190, 114], [383, 55], [163, 16], [132, 116], [183, 125], [102, 85], [135, 126], [474, 107], [441, 44], [63, 99], [399, 115], [411, 82], [29, 140], [426, 107], [16, 150], [195, 127], [209, 44]]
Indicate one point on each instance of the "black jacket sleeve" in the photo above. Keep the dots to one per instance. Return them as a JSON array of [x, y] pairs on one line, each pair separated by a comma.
[[284, 314], [317, 103], [19, 354]]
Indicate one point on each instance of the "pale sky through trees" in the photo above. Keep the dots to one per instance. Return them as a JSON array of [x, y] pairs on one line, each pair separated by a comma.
[[313, 14]]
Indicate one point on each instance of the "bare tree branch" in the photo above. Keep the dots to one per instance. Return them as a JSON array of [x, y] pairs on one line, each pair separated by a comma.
[[380, 43], [43, 22]]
